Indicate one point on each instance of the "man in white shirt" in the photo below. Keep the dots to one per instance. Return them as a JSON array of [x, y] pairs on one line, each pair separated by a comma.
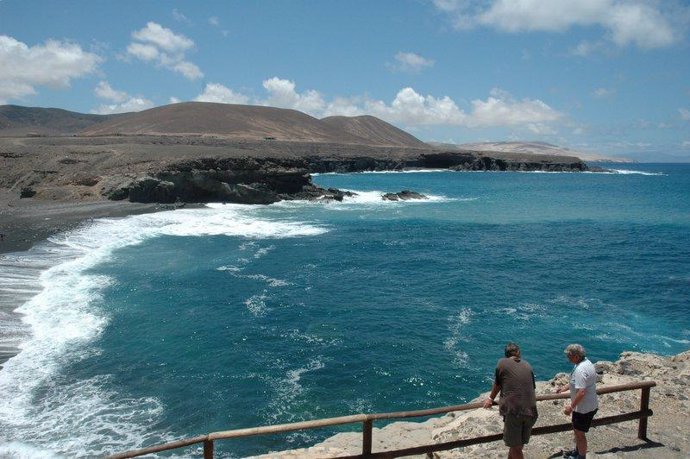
[[583, 397]]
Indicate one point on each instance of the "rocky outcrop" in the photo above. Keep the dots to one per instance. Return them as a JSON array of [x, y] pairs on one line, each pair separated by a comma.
[[246, 181], [472, 161], [196, 168], [266, 180], [404, 195], [667, 429]]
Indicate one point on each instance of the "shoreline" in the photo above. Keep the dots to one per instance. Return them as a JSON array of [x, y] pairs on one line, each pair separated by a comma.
[[666, 438], [25, 222]]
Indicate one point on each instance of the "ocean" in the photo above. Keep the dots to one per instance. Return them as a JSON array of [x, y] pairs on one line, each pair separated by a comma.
[[164, 326]]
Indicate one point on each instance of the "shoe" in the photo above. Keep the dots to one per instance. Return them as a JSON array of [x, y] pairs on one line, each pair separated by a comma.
[[572, 454]]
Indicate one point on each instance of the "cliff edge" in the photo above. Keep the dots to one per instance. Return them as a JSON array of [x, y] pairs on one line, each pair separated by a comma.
[[667, 430]]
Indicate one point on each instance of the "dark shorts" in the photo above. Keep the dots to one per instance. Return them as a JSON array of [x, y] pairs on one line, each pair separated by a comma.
[[517, 429], [583, 421]]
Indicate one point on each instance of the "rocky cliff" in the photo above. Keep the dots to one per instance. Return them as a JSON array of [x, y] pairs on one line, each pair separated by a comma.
[[168, 169], [267, 180], [667, 429]]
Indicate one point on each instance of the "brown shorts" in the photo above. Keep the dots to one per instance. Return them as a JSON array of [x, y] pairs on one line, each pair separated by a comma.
[[517, 429]]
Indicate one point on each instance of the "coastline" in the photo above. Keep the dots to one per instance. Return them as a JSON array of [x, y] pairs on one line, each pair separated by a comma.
[[667, 439], [24, 222], [52, 217]]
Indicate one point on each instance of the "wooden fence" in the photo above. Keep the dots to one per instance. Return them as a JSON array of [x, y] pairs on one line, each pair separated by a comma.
[[367, 421]]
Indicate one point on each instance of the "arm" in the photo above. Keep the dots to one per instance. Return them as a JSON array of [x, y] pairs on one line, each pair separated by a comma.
[[563, 388], [579, 395], [495, 389]]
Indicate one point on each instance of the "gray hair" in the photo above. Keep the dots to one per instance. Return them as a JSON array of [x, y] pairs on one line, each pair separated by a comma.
[[575, 350], [512, 350]]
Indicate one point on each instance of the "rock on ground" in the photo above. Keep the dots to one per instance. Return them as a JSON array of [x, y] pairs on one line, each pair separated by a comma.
[[668, 429]]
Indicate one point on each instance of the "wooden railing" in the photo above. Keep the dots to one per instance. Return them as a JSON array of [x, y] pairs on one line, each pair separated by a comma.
[[367, 421]]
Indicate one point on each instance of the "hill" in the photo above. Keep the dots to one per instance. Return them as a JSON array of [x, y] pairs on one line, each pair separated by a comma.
[[531, 148], [251, 122], [374, 129], [36, 121]]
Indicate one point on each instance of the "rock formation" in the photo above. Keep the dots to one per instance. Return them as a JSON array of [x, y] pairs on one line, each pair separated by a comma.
[[667, 428], [206, 152], [404, 195]]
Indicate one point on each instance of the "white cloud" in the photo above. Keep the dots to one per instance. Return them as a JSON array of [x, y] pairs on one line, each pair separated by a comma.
[[143, 52], [215, 92], [586, 48], [602, 93], [187, 69], [500, 109], [53, 64], [180, 17], [122, 102], [213, 20], [647, 24], [408, 108], [163, 38], [413, 109], [155, 43], [686, 144], [282, 93], [411, 62], [684, 114], [134, 104], [105, 91]]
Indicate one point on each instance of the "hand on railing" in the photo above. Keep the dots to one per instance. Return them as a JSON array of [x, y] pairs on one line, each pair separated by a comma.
[[567, 409], [488, 403]]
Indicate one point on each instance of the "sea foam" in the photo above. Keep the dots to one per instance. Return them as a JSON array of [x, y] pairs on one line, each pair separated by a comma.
[[62, 313]]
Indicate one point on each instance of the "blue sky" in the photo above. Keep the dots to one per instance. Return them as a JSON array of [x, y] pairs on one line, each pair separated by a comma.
[[607, 76]]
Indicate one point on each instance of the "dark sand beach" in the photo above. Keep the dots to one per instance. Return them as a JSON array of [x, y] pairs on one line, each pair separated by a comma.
[[25, 222]]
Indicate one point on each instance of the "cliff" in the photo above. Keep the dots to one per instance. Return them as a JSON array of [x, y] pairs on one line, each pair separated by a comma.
[[168, 169], [208, 152], [667, 428]]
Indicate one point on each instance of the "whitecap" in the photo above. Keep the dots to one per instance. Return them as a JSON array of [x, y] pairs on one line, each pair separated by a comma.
[[288, 389], [256, 304], [402, 171], [263, 251], [367, 199], [61, 314], [272, 282], [231, 268], [457, 322], [634, 172]]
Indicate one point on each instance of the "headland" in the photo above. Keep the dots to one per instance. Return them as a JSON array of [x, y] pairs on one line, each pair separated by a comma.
[[58, 167]]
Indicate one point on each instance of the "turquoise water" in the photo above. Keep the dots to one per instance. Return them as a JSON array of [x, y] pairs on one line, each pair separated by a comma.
[[180, 323]]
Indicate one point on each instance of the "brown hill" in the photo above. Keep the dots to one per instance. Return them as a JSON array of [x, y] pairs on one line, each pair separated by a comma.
[[23, 121], [249, 122], [374, 129]]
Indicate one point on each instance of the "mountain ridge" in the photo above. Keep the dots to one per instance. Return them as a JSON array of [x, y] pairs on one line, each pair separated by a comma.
[[16, 120], [231, 121]]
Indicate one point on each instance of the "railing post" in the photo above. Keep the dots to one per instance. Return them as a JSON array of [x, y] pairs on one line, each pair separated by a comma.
[[208, 449], [367, 428], [644, 408]]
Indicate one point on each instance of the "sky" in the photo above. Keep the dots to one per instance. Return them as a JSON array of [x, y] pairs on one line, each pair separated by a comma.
[[603, 76]]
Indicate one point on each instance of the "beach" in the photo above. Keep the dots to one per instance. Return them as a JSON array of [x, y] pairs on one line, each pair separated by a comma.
[[25, 222]]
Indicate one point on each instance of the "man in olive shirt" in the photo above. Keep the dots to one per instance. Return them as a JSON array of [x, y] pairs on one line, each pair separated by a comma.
[[518, 404]]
